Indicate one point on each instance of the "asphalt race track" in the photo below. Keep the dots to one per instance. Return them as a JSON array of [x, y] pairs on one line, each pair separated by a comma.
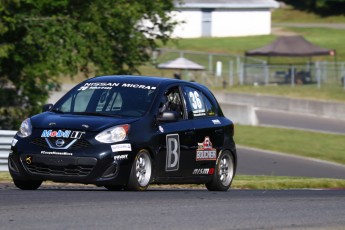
[[259, 162], [300, 121], [96, 208]]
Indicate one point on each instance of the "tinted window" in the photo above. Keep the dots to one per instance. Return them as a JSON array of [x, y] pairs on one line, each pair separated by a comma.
[[112, 100], [171, 101], [201, 106]]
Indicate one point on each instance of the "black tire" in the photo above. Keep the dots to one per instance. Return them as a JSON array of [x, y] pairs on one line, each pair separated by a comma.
[[114, 187], [27, 184], [141, 172], [224, 173]]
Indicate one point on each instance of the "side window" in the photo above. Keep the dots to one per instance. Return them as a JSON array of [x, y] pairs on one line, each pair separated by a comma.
[[171, 101], [201, 106]]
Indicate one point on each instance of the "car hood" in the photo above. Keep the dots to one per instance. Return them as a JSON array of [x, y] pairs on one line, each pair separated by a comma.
[[49, 120]]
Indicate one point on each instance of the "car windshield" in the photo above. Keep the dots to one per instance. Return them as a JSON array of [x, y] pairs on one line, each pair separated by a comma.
[[107, 101]]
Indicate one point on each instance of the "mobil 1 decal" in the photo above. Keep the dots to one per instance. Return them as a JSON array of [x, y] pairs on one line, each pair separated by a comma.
[[63, 134], [205, 151], [173, 152]]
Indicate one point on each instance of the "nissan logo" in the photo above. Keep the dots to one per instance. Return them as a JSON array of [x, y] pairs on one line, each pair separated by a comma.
[[59, 142]]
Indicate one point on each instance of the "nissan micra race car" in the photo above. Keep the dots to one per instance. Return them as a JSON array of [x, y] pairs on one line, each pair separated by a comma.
[[127, 132]]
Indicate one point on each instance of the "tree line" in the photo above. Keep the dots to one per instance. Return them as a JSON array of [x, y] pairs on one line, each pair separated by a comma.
[[40, 41], [320, 7]]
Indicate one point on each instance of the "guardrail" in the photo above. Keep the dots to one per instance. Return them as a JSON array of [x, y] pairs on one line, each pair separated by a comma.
[[6, 137]]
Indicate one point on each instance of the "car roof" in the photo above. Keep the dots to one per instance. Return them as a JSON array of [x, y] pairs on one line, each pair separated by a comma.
[[146, 81], [135, 79]]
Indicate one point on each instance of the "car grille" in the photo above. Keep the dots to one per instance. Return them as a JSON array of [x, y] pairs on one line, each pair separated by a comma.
[[60, 165], [72, 170], [80, 143]]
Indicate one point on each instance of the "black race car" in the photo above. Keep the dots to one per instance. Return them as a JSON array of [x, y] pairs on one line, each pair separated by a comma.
[[125, 132]]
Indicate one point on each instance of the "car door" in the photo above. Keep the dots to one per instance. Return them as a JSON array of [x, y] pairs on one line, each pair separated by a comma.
[[177, 138], [209, 132]]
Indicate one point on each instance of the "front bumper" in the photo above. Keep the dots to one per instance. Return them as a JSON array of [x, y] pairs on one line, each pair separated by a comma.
[[92, 165]]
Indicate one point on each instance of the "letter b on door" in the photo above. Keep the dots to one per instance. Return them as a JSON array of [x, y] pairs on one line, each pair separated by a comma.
[[173, 152]]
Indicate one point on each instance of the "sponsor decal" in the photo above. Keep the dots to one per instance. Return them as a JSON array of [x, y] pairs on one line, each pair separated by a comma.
[[216, 122], [204, 171], [121, 157], [56, 153], [198, 113], [109, 85], [173, 152], [197, 103], [205, 151], [62, 134], [121, 147], [14, 142]]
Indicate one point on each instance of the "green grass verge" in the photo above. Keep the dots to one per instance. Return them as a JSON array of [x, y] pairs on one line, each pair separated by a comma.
[[238, 45], [245, 182], [322, 146], [326, 92], [5, 177], [278, 182]]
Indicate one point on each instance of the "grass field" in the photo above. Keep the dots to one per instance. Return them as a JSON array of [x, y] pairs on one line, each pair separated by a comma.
[[322, 146], [326, 92], [238, 45]]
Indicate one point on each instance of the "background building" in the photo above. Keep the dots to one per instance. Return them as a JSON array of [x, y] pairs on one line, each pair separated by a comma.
[[223, 18]]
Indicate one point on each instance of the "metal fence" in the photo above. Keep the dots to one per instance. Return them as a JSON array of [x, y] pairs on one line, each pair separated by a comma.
[[220, 69], [6, 137], [228, 70], [317, 73]]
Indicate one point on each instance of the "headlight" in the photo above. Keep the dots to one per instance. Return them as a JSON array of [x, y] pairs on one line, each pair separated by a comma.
[[25, 129], [113, 134]]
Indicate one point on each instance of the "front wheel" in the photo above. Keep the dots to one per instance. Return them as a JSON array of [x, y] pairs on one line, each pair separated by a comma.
[[140, 176], [224, 173], [27, 184]]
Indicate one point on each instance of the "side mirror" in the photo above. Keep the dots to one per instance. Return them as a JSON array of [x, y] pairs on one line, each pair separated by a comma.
[[47, 107], [168, 116]]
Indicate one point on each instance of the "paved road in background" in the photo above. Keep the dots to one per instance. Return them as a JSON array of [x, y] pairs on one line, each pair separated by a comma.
[[340, 26], [300, 121], [171, 209], [260, 162]]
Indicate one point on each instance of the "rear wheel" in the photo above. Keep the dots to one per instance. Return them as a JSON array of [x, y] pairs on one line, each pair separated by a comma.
[[27, 184], [224, 173], [141, 172]]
